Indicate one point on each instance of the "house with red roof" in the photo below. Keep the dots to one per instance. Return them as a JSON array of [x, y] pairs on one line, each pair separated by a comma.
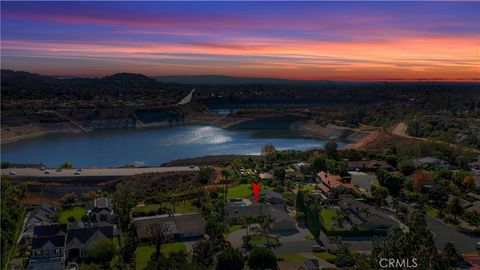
[[327, 182]]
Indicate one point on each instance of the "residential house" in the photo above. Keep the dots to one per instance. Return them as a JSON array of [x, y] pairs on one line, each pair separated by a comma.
[[40, 215], [300, 166], [100, 210], [431, 163], [273, 197], [327, 182], [306, 265], [365, 216], [181, 226], [48, 248], [81, 236], [235, 211], [367, 165]]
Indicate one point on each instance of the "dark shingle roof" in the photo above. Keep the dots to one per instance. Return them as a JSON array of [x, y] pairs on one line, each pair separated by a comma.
[[49, 230], [84, 234], [178, 223], [56, 240]]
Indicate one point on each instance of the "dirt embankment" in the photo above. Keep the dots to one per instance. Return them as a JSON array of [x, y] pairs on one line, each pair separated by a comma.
[[13, 134]]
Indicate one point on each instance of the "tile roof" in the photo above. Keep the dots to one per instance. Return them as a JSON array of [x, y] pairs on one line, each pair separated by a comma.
[[333, 181]]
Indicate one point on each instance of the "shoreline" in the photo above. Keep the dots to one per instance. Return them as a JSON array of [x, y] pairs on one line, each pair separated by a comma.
[[302, 128]]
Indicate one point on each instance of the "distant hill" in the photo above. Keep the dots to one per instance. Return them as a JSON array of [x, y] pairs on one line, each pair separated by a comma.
[[226, 80]]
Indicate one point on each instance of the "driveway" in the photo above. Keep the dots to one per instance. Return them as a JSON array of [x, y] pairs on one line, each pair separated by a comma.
[[443, 234]]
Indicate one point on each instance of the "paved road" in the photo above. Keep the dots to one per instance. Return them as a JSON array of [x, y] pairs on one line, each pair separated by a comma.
[[35, 172], [444, 234]]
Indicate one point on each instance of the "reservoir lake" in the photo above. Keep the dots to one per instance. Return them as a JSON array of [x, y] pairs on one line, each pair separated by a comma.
[[149, 147]]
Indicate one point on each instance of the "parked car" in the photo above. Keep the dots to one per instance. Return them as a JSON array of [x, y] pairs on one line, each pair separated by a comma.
[[318, 248], [12, 173], [77, 173], [478, 245], [191, 167], [46, 172], [79, 170], [58, 170]]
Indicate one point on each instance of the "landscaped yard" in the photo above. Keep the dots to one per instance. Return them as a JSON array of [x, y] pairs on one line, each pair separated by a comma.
[[307, 187], [182, 207], [239, 191], [77, 212], [231, 229], [292, 257], [432, 212], [144, 253], [327, 216]]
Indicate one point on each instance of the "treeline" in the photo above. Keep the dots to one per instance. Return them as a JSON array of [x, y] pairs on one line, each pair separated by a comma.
[[12, 213]]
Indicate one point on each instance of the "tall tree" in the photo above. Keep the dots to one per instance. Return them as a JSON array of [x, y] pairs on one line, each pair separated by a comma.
[[262, 259], [102, 252], [123, 202], [230, 259], [159, 233], [203, 253], [331, 150]]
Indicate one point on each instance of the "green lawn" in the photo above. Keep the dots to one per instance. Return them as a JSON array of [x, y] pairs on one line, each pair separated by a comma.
[[307, 187], [292, 257], [182, 207], [239, 191], [432, 212], [327, 215], [325, 255], [144, 253], [77, 212], [231, 229], [258, 240], [309, 237]]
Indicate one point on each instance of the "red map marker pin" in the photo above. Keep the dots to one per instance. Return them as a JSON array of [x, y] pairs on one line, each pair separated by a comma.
[[256, 190]]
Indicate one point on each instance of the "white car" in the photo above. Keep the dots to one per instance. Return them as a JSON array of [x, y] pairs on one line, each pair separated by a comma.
[[318, 248], [12, 173], [77, 173]]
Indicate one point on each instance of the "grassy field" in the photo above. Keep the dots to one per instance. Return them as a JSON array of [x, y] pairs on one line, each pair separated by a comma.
[[432, 212], [325, 255], [231, 229], [307, 187], [292, 257], [239, 191], [327, 215], [182, 207], [144, 253], [77, 212]]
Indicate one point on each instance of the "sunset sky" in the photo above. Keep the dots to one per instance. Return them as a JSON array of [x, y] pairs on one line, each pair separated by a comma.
[[293, 40]]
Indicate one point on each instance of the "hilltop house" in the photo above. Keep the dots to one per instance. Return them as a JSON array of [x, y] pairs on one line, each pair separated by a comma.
[[80, 236], [431, 163], [367, 165], [181, 226], [327, 182], [48, 248], [100, 210]]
